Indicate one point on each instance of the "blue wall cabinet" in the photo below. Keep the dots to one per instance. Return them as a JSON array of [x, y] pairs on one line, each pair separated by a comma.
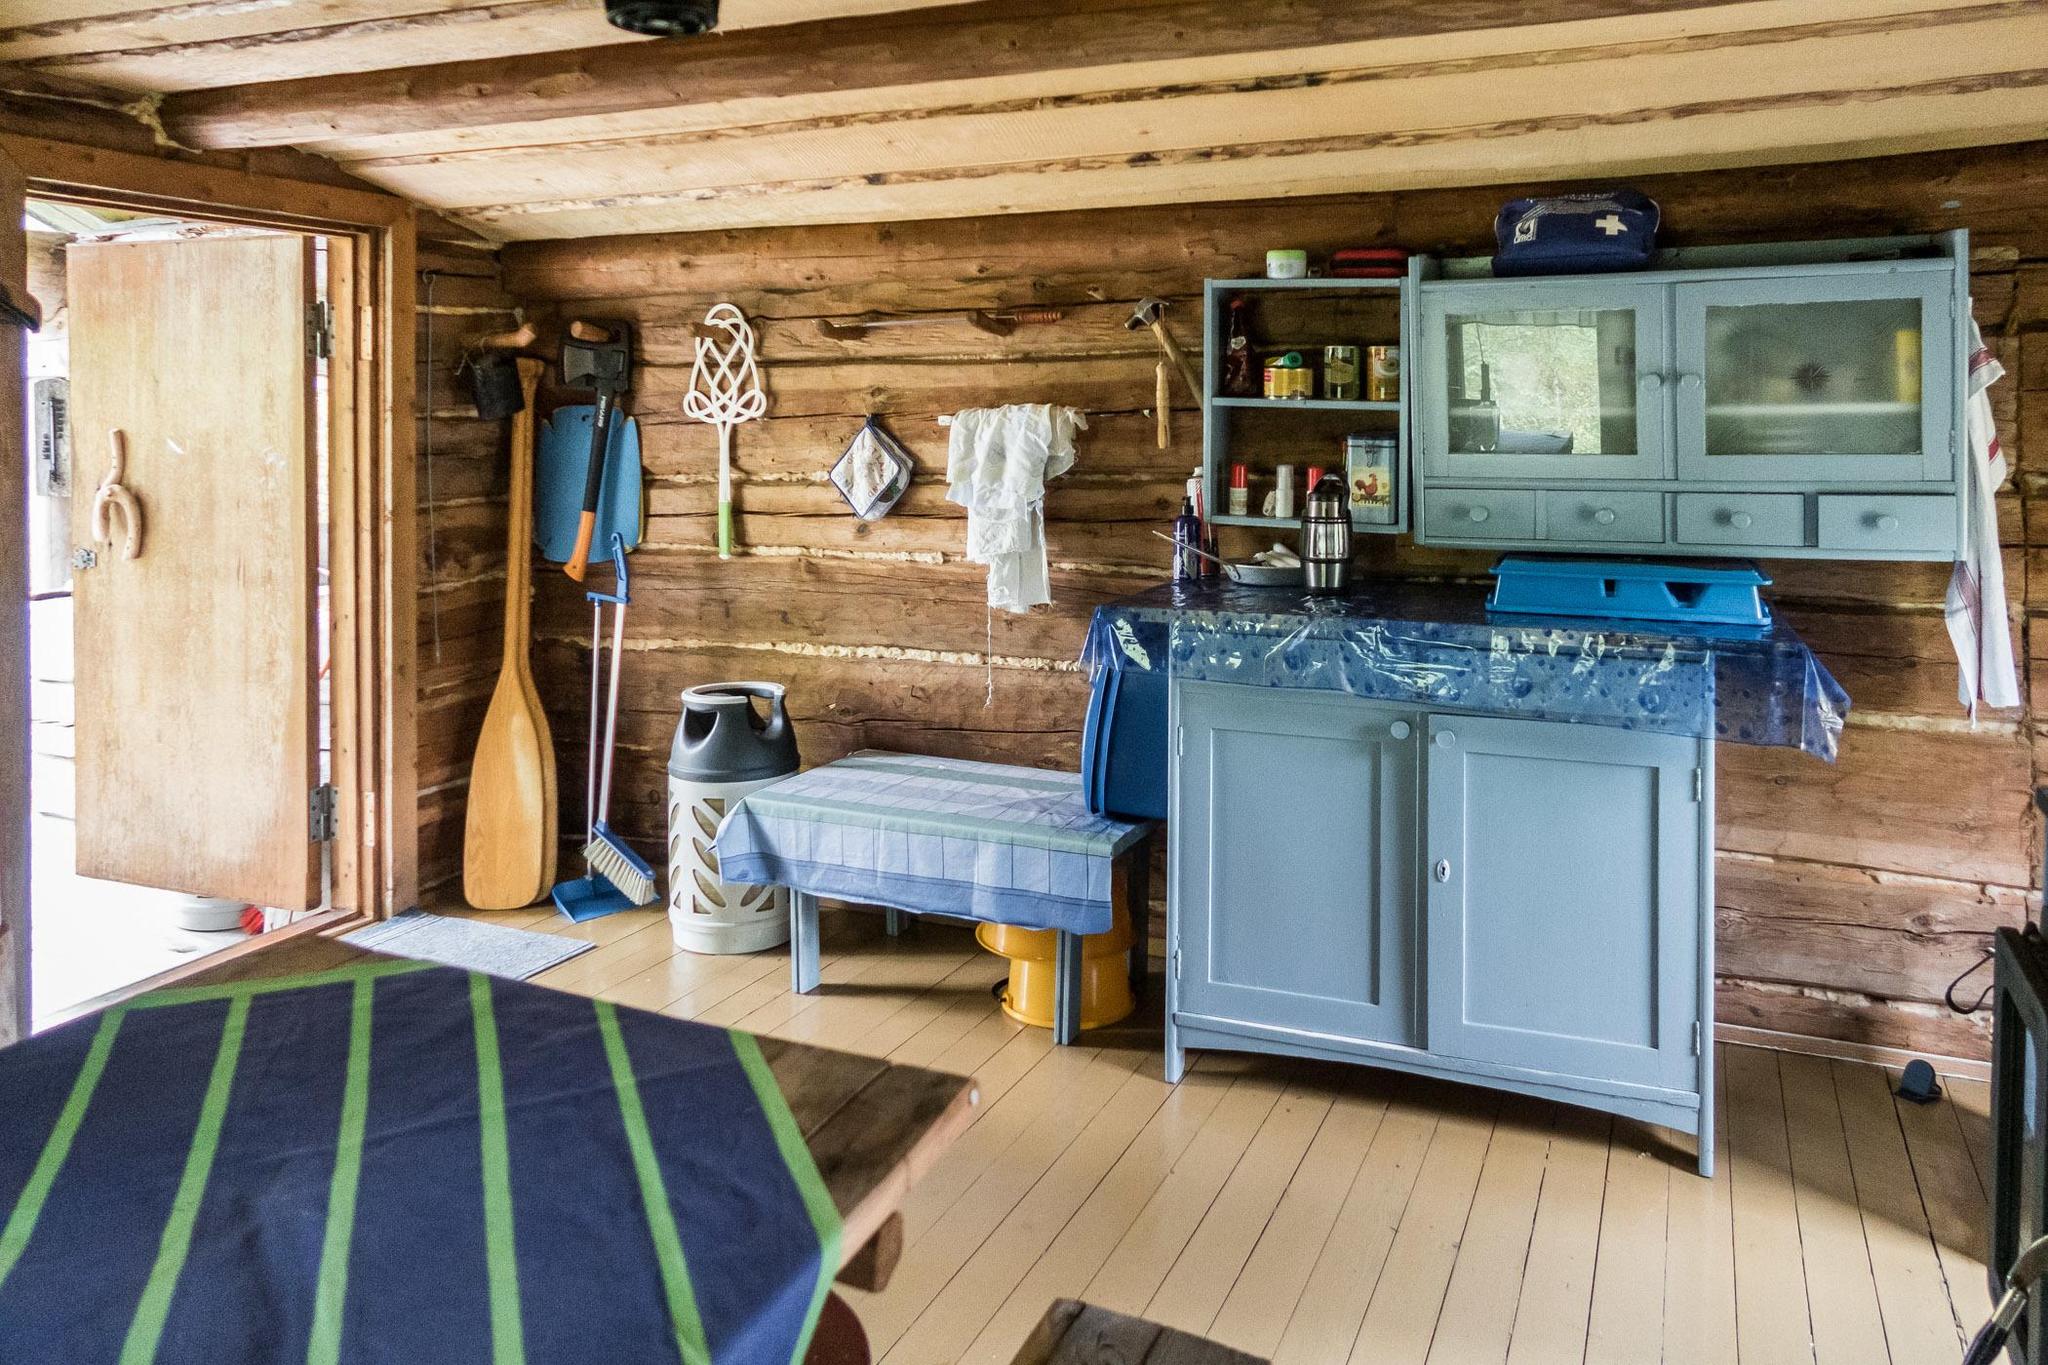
[[1298, 861], [1520, 904], [1802, 400], [1564, 898]]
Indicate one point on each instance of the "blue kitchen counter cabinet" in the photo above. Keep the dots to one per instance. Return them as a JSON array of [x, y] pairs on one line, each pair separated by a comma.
[[1405, 834]]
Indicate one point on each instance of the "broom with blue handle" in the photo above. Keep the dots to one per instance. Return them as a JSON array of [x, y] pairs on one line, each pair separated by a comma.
[[619, 878]]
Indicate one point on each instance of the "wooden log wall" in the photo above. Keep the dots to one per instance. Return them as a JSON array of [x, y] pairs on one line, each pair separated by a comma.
[[1849, 894], [461, 488]]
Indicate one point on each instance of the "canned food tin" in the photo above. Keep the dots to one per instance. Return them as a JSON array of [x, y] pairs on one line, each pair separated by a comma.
[[1288, 376], [1369, 477], [1340, 373], [1383, 373]]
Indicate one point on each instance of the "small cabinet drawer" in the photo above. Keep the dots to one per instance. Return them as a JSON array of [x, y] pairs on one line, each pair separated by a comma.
[[1479, 514], [1903, 524], [1741, 519], [1637, 518]]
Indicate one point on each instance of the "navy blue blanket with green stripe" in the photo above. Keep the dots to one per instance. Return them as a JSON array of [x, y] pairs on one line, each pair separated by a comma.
[[394, 1162]]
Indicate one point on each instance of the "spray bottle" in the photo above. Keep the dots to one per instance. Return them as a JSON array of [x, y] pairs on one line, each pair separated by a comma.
[[1187, 538]]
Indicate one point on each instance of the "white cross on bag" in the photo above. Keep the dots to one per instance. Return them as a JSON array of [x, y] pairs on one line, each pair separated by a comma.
[[1611, 225]]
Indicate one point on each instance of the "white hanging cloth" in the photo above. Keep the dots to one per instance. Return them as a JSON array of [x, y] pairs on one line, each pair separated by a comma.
[[997, 466], [1978, 623]]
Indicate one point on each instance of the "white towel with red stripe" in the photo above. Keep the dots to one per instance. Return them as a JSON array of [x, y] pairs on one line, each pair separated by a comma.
[[1978, 623]]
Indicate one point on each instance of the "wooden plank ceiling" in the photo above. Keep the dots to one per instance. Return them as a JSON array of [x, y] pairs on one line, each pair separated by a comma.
[[534, 119]]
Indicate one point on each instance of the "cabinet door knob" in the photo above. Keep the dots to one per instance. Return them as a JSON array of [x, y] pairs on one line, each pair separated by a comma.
[[1741, 521], [1604, 515], [1886, 522], [1400, 729], [1691, 381], [1651, 381], [1477, 513], [1442, 869], [1445, 739]]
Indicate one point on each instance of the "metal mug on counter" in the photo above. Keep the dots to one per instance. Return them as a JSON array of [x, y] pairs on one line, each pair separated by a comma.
[[1326, 536]]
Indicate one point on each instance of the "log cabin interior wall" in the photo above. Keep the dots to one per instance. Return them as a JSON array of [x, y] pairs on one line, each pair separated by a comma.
[[833, 157], [1849, 895]]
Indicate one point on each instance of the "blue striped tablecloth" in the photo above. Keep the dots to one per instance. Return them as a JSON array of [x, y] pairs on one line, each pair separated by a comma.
[[941, 836], [397, 1162]]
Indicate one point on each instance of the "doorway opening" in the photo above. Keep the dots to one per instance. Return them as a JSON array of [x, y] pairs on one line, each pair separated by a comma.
[[181, 630]]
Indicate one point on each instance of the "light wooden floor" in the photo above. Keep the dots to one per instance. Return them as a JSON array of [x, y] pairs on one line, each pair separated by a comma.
[[1320, 1213]]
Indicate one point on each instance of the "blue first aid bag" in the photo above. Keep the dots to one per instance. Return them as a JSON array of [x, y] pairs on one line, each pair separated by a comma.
[[1571, 234]]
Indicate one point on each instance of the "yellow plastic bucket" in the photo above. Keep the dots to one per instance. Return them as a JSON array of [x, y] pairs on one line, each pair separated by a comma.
[[1105, 975]]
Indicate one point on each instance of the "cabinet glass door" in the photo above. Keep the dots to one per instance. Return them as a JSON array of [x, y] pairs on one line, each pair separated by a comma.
[[1816, 378], [1541, 381]]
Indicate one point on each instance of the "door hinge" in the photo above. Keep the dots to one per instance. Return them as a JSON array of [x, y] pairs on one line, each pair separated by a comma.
[[1180, 743], [323, 813], [319, 331], [83, 558], [1698, 1037], [1174, 963], [1699, 784]]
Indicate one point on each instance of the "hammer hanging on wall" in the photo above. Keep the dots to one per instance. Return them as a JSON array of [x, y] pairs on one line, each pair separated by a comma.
[[1152, 313]]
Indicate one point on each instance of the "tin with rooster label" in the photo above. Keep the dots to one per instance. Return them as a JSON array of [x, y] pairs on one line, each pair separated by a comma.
[[1369, 477]]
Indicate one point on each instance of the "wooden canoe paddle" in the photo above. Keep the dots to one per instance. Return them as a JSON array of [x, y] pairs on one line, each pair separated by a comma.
[[508, 851]]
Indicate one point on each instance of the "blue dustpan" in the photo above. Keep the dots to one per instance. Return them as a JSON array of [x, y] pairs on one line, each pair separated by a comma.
[[590, 897]]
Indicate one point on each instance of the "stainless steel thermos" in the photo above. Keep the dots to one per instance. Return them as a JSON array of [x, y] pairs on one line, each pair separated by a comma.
[[1326, 536]]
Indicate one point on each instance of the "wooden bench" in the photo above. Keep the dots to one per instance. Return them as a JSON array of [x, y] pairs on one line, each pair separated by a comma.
[[978, 841], [1076, 1333]]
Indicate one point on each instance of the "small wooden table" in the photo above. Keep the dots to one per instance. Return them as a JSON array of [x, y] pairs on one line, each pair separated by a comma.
[[872, 1127]]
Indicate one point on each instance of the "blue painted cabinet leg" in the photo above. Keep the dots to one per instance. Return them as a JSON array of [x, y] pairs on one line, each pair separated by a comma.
[[803, 941], [1706, 1144], [1140, 896], [893, 921], [1176, 1055], [1066, 988]]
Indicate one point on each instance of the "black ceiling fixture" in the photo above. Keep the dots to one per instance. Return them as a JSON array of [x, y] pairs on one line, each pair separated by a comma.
[[663, 18]]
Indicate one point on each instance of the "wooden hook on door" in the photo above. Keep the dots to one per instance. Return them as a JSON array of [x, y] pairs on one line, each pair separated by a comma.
[[112, 498]]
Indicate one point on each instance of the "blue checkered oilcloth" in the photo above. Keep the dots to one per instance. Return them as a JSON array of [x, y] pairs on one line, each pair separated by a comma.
[[944, 836]]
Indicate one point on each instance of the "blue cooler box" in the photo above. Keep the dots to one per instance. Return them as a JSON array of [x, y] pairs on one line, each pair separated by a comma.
[[1123, 743]]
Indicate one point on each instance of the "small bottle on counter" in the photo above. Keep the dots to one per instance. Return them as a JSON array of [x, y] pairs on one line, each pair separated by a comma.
[[1187, 538]]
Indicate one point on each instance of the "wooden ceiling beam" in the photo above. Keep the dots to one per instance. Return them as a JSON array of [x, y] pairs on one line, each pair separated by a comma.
[[966, 42], [201, 44]]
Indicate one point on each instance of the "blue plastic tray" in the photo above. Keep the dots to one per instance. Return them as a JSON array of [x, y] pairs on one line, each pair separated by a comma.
[[1725, 594]]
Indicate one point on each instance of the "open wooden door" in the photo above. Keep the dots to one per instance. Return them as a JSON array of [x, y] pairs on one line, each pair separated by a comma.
[[195, 658], [14, 802]]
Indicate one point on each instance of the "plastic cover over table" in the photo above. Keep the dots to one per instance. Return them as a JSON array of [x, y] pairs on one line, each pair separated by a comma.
[[1432, 644]]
